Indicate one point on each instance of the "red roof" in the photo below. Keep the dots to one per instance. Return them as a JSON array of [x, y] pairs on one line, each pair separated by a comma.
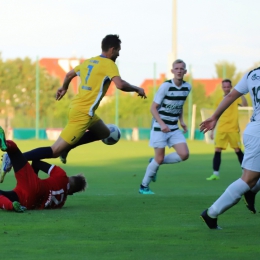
[[148, 83], [209, 84]]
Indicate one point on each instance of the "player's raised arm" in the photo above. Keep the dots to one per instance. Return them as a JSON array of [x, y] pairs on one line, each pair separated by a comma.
[[63, 89], [210, 123], [126, 87]]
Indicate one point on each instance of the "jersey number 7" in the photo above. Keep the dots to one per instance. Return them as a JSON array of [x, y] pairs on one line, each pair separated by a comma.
[[90, 67]]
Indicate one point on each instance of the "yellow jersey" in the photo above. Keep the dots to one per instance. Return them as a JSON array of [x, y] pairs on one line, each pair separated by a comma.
[[228, 122], [95, 74]]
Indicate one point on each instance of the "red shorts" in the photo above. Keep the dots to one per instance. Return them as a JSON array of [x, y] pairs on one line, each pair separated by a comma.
[[28, 186]]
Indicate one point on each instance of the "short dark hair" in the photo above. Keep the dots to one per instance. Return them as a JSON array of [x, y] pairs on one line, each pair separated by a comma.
[[78, 183], [111, 40], [227, 80]]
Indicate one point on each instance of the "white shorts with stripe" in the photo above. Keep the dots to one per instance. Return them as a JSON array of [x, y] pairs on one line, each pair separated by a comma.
[[158, 139]]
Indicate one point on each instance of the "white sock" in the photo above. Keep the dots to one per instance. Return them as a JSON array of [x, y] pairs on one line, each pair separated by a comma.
[[171, 158], [229, 198], [216, 173], [151, 170], [256, 188]]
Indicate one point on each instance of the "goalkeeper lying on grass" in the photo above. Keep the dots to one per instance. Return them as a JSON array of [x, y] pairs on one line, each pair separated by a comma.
[[31, 192]]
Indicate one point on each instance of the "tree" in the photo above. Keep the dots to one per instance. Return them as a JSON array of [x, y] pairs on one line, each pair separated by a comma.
[[18, 92], [198, 95], [133, 112], [226, 70]]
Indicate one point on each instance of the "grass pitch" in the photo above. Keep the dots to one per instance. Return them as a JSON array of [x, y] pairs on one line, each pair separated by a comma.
[[112, 221]]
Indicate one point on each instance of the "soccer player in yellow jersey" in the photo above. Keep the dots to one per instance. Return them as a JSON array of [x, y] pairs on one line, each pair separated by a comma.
[[227, 130], [96, 75]]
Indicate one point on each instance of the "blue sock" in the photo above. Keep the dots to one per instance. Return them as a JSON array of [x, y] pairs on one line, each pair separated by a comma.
[[39, 153]]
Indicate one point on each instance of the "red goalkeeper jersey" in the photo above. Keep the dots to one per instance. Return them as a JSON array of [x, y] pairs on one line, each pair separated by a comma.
[[36, 193]]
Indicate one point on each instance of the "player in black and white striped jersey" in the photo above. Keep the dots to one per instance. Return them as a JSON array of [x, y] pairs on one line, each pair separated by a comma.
[[167, 110]]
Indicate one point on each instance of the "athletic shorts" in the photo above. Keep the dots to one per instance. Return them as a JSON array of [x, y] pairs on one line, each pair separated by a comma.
[[251, 160], [27, 187], [223, 139], [158, 139], [77, 125]]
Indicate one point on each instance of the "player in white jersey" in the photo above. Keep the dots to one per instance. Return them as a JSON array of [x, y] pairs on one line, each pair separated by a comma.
[[249, 183], [167, 110]]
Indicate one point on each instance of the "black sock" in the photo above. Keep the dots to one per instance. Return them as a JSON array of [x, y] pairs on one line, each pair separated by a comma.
[[88, 137], [39, 153], [240, 156], [11, 195], [216, 161], [17, 159], [40, 166]]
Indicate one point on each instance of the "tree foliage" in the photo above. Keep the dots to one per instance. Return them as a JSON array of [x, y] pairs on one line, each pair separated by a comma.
[[227, 70], [197, 96], [18, 92], [18, 97], [132, 110]]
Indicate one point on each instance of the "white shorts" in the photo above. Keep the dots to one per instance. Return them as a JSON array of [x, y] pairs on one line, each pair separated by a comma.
[[251, 159], [159, 139]]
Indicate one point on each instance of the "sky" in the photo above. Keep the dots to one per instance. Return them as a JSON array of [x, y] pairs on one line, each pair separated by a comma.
[[207, 32]]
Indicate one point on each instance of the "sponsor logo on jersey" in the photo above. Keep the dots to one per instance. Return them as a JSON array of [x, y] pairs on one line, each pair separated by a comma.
[[254, 77], [86, 88], [171, 107], [94, 61]]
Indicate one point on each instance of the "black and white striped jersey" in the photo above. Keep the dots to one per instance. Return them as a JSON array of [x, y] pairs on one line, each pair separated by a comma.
[[171, 99]]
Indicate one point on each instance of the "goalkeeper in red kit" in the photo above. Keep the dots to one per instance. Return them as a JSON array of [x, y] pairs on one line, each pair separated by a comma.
[[31, 192]]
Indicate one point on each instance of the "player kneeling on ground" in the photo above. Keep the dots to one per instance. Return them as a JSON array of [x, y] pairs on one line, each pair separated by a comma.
[[31, 192]]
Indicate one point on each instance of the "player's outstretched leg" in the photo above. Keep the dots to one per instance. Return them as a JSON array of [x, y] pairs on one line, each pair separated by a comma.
[[88, 137]]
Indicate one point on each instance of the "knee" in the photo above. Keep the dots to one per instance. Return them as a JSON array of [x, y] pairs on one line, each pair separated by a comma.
[[159, 159], [251, 182], [56, 152], [184, 156]]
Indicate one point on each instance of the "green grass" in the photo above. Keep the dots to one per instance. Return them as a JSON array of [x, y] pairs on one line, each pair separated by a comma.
[[112, 221]]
